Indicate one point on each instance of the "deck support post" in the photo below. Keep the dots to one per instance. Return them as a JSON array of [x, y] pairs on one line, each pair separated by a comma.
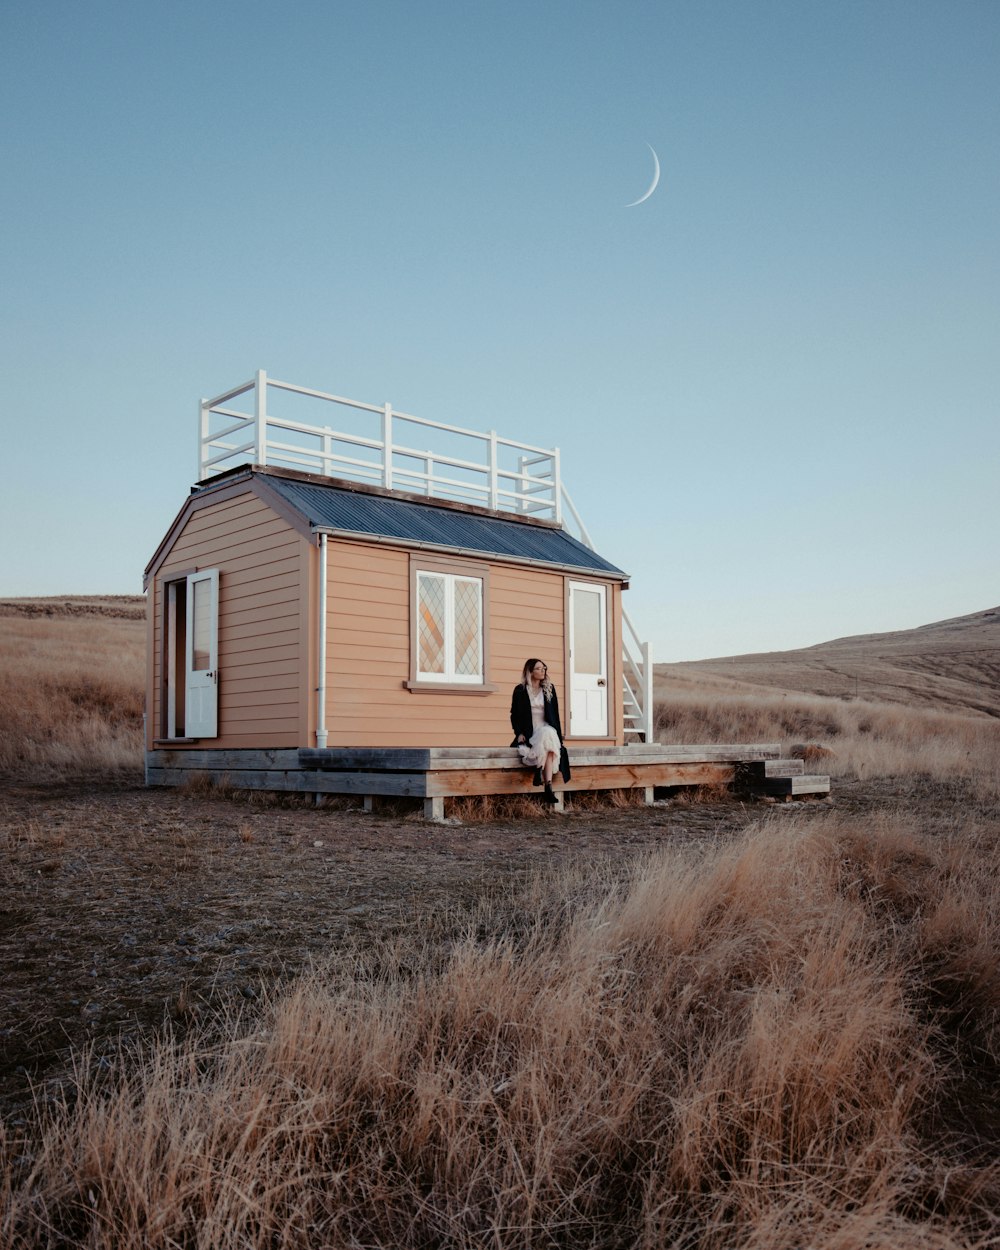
[[369, 803], [650, 795], [434, 809]]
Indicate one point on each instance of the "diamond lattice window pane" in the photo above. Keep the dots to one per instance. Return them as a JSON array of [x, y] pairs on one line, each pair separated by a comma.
[[468, 629], [430, 625]]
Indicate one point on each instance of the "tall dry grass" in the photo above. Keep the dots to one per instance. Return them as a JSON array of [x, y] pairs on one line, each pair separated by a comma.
[[767, 1045], [71, 694], [865, 740]]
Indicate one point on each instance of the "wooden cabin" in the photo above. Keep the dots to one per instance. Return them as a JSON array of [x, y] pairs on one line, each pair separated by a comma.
[[346, 609]]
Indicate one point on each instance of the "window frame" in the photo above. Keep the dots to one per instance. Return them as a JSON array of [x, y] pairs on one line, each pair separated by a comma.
[[450, 570]]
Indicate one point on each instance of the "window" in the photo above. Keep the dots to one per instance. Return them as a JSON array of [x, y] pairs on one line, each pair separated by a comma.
[[448, 612], [449, 627]]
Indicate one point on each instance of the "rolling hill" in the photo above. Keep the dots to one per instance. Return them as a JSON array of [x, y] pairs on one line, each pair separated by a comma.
[[953, 664]]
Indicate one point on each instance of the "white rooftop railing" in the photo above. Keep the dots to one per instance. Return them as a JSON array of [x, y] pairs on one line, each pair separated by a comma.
[[326, 434]]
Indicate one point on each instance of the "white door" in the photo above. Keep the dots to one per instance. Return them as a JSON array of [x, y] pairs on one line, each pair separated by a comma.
[[201, 704], [588, 661]]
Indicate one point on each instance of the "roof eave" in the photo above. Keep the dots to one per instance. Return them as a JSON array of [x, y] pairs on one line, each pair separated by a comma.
[[615, 575]]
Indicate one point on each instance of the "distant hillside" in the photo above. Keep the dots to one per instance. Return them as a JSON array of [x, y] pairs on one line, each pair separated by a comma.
[[952, 664], [122, 607]]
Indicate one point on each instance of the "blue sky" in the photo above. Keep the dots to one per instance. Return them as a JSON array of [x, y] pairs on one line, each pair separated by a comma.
[[774, 383]]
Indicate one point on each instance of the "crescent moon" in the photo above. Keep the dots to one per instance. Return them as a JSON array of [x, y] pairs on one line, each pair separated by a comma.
[[652, 185]]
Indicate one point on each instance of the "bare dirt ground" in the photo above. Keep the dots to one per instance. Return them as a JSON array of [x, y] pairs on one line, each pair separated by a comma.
[[125, 910]]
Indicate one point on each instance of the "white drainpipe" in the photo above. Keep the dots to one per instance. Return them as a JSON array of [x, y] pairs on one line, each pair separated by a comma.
[[321, 688]]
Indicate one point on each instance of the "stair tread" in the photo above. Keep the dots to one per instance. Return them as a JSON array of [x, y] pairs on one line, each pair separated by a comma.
[[806, 783]]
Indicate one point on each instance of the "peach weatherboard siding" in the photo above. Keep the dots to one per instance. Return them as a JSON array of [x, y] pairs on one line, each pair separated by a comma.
[[263, 565], [368, 650]]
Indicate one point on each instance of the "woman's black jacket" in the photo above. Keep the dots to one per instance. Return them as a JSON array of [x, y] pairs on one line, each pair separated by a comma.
[[520, 721]]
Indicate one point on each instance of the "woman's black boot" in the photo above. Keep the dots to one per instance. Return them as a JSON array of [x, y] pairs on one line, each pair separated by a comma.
[[549, 797]]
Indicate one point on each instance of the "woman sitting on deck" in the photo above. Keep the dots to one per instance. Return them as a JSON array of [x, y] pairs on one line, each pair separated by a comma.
[[534, 717]]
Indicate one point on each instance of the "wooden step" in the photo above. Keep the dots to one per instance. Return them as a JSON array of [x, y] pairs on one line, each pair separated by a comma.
[[805, 783], [752, 776], [783, 768]]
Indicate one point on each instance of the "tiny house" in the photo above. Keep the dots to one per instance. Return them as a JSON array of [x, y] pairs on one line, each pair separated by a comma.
[[288, 611], [346, 598], [343, 586]]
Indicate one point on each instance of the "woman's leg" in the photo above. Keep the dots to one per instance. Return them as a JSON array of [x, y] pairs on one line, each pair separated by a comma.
[[551, 761]]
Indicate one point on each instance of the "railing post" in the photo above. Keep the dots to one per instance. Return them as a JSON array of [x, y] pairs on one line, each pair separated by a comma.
[[203, 419], [494, 497], [429, 470], [647, 694], [387, 446], [260, 417], [522, 485], [556, 486]]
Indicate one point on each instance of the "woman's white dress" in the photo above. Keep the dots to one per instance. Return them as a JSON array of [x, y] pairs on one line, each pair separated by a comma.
[[543, 737]]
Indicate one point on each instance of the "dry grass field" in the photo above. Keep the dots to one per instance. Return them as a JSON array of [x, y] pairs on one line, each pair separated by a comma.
[[71, 688], [705, 1024]]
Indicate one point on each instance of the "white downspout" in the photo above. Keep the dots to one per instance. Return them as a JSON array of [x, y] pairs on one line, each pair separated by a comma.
[[321, 687]]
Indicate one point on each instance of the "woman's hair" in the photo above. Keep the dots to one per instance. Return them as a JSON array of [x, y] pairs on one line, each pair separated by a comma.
[[526, 675]]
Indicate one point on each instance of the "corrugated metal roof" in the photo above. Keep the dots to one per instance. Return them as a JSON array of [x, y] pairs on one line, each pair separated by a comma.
[[380, 516]]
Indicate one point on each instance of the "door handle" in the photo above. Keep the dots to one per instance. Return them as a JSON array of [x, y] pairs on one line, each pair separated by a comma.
[[601, 681]]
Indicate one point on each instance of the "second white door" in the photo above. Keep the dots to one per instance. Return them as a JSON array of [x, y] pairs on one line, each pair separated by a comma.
[[588, 661]]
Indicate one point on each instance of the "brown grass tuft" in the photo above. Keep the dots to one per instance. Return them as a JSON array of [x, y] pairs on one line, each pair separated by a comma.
[[810, 752], [760, 1045]]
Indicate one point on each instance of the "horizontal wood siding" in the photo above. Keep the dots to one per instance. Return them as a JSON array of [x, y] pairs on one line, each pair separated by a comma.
[[368, 652], [260, 561]]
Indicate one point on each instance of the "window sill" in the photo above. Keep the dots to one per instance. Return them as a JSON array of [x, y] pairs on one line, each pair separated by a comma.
[[174, 742], [444, 687]]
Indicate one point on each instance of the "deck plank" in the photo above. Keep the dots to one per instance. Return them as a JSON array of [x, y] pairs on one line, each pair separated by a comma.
[[412, 785], [452, 782], [178, 758], [464, 758]]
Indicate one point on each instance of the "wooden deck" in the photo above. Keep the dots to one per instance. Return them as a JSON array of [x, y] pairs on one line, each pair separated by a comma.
[[436, 773]]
